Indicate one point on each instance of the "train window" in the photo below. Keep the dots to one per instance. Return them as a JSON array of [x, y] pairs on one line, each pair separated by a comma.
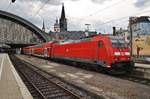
[[86, 39], [40, 45], [100, 44], [118, 43]]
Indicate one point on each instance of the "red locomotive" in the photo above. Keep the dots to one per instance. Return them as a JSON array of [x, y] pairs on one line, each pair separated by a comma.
[[108, 52]]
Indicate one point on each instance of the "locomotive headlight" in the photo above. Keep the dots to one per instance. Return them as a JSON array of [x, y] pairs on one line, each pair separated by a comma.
[[117, 53], [127, 53]]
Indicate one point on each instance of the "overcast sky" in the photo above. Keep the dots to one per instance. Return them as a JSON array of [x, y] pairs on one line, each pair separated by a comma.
[[101, 14]]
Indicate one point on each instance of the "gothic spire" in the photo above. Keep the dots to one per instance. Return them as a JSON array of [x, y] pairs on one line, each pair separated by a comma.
[[63, 20], [63, 12], [43, 28]]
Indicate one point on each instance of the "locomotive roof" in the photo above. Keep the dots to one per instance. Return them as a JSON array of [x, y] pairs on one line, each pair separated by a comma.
[[115, 37], [88, 38]]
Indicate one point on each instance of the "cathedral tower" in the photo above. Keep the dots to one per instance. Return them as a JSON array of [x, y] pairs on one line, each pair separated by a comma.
[[43, 28], [56, 26], [63, 20]]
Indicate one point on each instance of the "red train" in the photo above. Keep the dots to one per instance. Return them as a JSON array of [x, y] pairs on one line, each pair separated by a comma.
[[108, 52]]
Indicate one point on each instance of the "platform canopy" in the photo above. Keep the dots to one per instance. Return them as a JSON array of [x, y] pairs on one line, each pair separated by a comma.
[[16, 30]]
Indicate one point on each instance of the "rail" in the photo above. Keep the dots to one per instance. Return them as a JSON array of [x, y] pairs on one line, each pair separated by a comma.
[[46, 86]]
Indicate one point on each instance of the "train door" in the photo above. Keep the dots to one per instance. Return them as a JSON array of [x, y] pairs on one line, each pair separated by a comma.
[[32, 51], [50, 50], [102, 53], [46, 52]]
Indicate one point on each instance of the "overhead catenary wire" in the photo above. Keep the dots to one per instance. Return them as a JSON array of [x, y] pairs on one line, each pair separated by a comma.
[[118, 19], [103, 9], [112, 20], [8, 6], [96, 12], [41, 7]]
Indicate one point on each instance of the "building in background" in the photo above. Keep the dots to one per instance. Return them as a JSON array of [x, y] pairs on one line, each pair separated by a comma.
[[43, 27], [123, 33], [56, 26], [61, 32], [63, 20], [140, 27]]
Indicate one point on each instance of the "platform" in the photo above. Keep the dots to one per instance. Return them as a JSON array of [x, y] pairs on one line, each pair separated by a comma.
[[11, 86], [140, 65]]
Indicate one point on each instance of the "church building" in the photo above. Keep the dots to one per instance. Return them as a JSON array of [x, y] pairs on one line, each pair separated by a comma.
[[61, 32], [63, 20]]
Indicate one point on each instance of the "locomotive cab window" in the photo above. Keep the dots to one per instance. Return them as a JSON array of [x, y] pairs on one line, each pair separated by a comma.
[[118, 43], [100, 44]]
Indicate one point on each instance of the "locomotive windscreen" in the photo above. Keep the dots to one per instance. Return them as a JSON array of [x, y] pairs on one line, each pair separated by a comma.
[[118, 43]]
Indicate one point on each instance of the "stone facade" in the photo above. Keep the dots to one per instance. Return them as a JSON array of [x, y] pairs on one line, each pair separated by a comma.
[[11, 32]]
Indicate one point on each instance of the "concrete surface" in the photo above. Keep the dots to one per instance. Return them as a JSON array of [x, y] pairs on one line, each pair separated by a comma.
[[11, 86], [108, 86], [139, 65]]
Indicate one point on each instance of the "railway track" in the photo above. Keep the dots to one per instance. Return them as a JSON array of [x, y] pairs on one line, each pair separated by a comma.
[[129, 77], [45, 86], [135, 78]]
